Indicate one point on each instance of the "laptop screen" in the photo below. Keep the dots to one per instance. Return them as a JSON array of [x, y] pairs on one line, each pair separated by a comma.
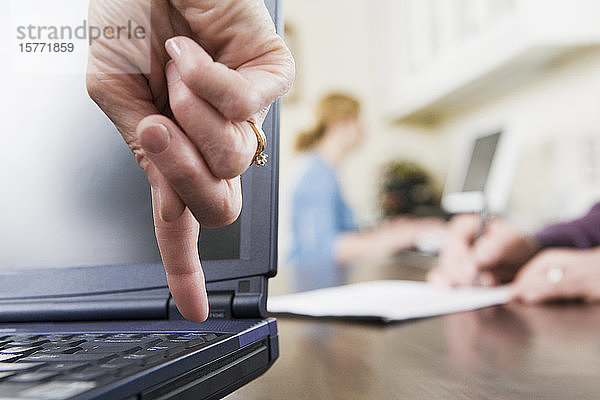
[[72, 194], [480, 163]]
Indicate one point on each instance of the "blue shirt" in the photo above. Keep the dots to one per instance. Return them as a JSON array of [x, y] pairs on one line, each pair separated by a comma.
[[319, 213]]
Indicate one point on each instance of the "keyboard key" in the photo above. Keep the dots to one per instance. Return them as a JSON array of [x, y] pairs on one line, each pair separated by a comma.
[[118, 363], [209, 337], [7, 358], [166, 346], [20, 349], [66, 367], [77, 342], [72, 350], [64, 358], [17, 337], [89, 375], [55, 348], [20, 366], [136, 357], [103, 336], [4, 375], [99, 348], [128, 336], [146, 360], [123, 340], [59, 390], [31, 377], [27, 343]]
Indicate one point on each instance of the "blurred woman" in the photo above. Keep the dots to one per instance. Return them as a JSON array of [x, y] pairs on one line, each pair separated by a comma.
[[324, 229]]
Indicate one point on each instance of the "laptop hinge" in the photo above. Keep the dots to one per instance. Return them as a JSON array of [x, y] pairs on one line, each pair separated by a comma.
[[220, 305], [133, 305], [237, 298]]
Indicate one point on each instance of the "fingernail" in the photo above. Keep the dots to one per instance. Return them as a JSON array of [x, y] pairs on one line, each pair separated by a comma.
[[160, 206], [172, 73], [173, 48], [155, 138]]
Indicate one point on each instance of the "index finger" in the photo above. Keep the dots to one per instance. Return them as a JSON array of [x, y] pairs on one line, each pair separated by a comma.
[[178, 243]]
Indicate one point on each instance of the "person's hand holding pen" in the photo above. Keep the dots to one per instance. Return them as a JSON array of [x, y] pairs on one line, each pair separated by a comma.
[[185, 101], [482, 253]]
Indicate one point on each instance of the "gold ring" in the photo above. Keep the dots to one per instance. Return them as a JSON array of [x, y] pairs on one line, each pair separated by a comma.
[[260, 158]]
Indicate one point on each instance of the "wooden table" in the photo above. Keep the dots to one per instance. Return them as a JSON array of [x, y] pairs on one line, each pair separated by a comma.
[[504, 352]]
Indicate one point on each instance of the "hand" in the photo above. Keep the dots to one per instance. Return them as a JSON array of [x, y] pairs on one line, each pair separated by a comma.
[[392, 236], [397, 234], [577, 269], [489, 260], [181, 106], [404, 232]]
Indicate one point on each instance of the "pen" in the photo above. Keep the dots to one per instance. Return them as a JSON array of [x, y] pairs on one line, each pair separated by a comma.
[[483, 219]]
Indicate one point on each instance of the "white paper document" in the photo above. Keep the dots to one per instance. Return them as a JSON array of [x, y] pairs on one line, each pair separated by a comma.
[[389, 300]]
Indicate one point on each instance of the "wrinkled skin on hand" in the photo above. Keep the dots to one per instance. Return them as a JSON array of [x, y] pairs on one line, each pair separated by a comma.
[[181, 107]]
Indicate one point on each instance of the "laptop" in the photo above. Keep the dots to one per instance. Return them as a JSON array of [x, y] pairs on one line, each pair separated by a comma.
[[480, 177], [482, 173], [85, 311]]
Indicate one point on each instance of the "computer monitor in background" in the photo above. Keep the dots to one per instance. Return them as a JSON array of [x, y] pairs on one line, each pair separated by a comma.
[[482, 173]]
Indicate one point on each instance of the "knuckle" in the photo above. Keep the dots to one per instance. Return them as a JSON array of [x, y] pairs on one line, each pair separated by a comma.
[[225, 211], [289, 70], [220, 218], [140, 157], [190, 72], [241, 107], [228, 166], [180, 101], [231, 157]]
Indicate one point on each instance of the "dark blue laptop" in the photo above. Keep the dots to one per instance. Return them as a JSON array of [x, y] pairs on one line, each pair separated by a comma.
[[85, 311]]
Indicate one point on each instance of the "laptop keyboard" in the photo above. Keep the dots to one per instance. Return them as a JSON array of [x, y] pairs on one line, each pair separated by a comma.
[[61, 366]]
